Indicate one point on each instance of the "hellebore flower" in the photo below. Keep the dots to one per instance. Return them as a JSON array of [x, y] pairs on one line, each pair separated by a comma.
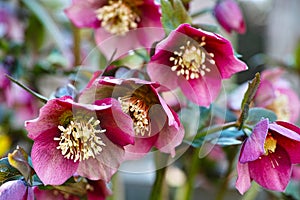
[[267, 156], [154, 123], [70, 137], [229, 16], [196, 61], [118, 18], [16, 190], [274, 93]]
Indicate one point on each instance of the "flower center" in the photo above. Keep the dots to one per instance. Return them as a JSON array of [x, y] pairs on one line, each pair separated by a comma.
[[138, 111], [118, 17], [280, 107], [191, 61], [80, 140], [270, 145]]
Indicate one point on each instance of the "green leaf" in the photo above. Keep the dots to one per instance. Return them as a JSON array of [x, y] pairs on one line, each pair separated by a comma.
[[7, 172], [173, 14], [297, 56], [256, 114], [248, 97], [31, 37], [19, 160]]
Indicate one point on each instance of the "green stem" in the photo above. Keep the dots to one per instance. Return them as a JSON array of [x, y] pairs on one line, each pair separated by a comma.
[[156, 193], [201, 12], [40, 97], [76, 47], [192, 174], [216, 129]]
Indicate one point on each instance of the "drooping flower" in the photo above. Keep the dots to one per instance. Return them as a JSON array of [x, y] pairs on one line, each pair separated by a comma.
[[118, 18], [154, 123], [17, 190], [196, 61], [70, 137], [229, 16], [267, 156], [274, 93]]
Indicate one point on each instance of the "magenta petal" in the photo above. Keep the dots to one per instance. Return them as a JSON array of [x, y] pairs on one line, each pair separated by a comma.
[[140, 148], [273, 171], [15, 190], [292, 147], [82, 13], [48, 162], [118, 125], [105, 164], [253, 147], [286, 129], [169, 138], [243, 182]]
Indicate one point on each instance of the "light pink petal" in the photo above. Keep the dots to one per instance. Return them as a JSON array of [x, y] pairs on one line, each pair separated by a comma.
[[293, 103], [272, 74], [243, 182], [82, 13], [15, 190], [253, 147], [265, 94], [273, 171], [48, 162], [105, 164]]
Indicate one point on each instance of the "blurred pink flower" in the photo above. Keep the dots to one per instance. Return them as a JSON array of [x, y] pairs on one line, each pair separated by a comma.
[[117, 18], [196, 61], [70, 137], [274, 93], [267, 156], [229, 16], [154, 123], [16, 190]]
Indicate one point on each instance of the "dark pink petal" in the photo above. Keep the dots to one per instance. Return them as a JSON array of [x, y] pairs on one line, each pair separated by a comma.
[[118, 125], [48, 162], [15, 190], [100, 191], [253, 147], [140, 148], [286, 129], [48, 118], [243, 182], [273, 171], [292, 147], [105, 164], [82, 13], [51, 195]]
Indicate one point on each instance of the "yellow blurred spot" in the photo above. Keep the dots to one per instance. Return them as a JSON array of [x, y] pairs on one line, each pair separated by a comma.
[[5, 143]]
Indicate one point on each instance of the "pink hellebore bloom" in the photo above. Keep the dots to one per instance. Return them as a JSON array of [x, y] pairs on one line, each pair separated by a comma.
[[196, 61], [74, 138], [16, 190], [267, 156], [154, 123], [274, 93], [229, 16], [118, 18]]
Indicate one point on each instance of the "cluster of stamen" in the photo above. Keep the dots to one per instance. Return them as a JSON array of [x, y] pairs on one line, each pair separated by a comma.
[[138, 111], [118, 17], [280, 107], [80, 140], [270, 147], [191, 61]]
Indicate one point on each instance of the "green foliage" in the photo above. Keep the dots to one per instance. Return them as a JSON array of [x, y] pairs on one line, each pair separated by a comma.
[[173, 14], [8, 172], [256, 114]]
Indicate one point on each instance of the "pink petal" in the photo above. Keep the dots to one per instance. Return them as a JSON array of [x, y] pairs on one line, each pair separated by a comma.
[[140, 148], [48, 162], [292, 147], [243, 182], [293, 103], [118, 125], [253, 147], [273, 171], [82, 13], [265, 94], [105, 164], [286, 129], [48, 118]]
